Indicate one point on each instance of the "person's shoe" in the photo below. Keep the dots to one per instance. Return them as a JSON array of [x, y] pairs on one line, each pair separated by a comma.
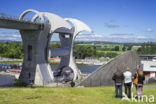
[[136, 97], [120, 97], [116, 96]]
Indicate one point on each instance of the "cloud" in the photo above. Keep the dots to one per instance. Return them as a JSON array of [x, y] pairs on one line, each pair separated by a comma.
[[149, 30], [125, 26], [11, 35], [116, 37], [16, 36], [111, 25], [141, 37], [119, 34]]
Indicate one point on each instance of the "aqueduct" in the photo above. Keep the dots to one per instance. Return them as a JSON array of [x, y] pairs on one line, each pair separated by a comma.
[[36, 38]]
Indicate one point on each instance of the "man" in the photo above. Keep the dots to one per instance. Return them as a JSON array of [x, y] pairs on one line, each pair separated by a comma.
[[128, 81], [118, 78]]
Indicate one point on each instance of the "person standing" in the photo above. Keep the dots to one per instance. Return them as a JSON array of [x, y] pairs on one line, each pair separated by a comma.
[[118, 78], [127, 82], [140, 81]]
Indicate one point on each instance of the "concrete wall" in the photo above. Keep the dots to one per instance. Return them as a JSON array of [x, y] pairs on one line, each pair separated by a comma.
[[103, 76], [37, 68]]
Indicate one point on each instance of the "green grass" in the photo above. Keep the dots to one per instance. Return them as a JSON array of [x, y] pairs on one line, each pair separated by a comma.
[[45, 95], [11, 62], [135, 48], [118, 52]]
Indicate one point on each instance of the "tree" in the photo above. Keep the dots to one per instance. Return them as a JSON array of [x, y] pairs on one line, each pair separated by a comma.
[[147, 48], [129, 48], [117, 48], [11, 50], [55, 45], [82, 51], [123, 48]]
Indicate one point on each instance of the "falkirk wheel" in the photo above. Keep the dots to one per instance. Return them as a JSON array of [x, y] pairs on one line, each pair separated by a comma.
[[36, 66]]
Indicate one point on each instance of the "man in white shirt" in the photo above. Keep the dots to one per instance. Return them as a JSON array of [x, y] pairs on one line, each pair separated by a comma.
[[128, 81]]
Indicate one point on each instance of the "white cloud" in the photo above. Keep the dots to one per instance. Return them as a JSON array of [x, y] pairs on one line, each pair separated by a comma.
[[96, 36], [12, 36], [115, 38], [16, 36], [149, 30], [111, 25], [141, 37]]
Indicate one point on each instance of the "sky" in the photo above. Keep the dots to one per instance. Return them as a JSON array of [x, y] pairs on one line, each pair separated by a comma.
[[111, 20]]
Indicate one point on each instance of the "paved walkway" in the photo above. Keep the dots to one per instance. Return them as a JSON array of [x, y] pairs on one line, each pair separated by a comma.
[[149, 86]]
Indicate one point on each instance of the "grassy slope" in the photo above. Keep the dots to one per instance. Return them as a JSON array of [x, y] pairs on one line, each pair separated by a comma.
[[103, 95]]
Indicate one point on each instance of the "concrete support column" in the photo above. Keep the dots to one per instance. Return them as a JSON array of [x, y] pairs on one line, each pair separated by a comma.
[[72, 63], [67, 42], [36, 67]]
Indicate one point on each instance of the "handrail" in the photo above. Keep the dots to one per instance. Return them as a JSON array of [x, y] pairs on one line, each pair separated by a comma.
[[16, 18]]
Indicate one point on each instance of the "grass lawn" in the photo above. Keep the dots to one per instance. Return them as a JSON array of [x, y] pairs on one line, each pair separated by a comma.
[[10, 62], [118, 52], [45, 95]]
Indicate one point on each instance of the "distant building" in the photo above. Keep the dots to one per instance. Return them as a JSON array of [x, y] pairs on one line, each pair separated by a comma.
[[89, 61], [55, 60], [148, 57], [149, 66], [136, 46]]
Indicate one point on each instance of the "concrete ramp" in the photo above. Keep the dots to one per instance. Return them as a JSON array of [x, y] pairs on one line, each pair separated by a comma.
[[103, 76]]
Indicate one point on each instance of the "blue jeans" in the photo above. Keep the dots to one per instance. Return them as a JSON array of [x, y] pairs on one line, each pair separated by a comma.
[[118, 90], [128, 89]]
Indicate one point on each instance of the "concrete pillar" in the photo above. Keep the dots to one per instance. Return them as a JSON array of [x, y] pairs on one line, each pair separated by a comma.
[[36, 66], [67, 60]]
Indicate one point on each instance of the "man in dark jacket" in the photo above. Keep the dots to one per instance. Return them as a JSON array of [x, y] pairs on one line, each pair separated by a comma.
[[118, 78]]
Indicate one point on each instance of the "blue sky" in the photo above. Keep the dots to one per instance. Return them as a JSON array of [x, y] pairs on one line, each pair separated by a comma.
[[111, 20]]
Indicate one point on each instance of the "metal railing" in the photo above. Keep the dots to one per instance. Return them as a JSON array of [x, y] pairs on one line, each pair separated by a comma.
[[16, 18]]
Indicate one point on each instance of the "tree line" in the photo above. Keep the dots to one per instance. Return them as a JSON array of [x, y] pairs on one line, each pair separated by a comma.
[[11, 50], [15, 50], [147, 48]]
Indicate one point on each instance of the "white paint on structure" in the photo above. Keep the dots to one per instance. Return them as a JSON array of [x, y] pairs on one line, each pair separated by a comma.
[[79, 26], [31, 10], [55, 21]]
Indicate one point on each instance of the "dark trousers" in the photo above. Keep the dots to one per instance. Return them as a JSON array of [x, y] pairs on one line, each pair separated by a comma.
[[118, 90], [128, 89]]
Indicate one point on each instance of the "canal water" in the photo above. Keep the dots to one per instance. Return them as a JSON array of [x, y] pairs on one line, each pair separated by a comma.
[[7, 81], [85, 69]]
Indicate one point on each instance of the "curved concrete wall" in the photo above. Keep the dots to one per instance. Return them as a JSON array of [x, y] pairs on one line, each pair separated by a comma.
[[103, 76]]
